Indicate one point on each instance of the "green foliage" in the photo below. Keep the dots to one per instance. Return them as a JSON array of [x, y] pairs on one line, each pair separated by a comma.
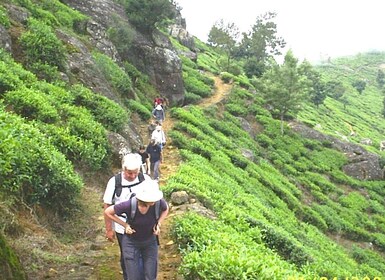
[[32, 104], [359, 85], [10, 267], [32, 169], [196, 86], [141, 13], [4, 20], [191, 98], [114, 74], [105, 111], [12, 75], [41, 45], [65, 15], [136, 106], [80, 123], [121, 34], [227, 77]]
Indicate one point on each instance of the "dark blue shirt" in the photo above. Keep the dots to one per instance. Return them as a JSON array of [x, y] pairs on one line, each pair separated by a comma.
[[142, 223], [154, 152]]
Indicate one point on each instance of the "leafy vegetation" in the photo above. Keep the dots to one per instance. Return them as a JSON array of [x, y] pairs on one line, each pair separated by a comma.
[[277, 205]]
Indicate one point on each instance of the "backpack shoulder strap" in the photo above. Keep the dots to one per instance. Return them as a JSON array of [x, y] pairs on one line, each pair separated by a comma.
[[157, 210], [134, 202], [141, 176], [118, 186]]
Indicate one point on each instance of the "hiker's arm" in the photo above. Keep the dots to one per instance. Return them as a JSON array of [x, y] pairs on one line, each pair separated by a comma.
[[109, 212], [158, 225], [148, 165], [110, 234], [163, 215]]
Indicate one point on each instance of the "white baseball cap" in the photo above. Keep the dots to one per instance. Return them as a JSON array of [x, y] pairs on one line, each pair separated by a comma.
[[131, 161]]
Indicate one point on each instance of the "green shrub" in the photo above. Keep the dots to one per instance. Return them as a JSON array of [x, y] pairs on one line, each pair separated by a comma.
[[191, 98], [192, 84], [114, 74], [136, 106], [10, 267], [44, 71], [179, 140], [33, 170], [236, 109], [286, 246], [227, 77], [4, 20], [107, 112], [32, 104], [64, 14], [41, 45], [12, 74]]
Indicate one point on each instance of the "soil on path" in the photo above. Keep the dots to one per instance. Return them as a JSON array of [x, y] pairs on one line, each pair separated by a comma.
[[169, 257], [95, 257]]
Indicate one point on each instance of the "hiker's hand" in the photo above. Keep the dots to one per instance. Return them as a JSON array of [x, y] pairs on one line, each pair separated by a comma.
[[110, 235], [129, 230], [156, 229]]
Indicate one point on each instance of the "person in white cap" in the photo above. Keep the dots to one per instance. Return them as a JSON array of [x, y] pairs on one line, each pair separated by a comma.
[[141, 229], [121, 187], [158, 113], [159, 136]]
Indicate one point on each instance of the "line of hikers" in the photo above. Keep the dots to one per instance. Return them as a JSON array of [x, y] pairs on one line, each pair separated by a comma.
[[134, 208]]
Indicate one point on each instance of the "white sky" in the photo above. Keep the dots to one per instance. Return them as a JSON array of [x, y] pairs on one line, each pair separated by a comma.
[[313, 29]]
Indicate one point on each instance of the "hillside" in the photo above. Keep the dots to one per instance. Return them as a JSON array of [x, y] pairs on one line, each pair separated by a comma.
[[271, 195]]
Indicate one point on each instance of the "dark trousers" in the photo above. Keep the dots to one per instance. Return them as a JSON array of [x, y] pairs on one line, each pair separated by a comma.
[[119, 236], [134, 251]]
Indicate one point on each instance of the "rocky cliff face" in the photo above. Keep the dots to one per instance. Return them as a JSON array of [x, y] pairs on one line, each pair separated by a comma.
[[151, 54]]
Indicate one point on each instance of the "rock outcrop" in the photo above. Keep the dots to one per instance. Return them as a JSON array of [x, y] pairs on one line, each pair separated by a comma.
[[362, 164], [152, 54]]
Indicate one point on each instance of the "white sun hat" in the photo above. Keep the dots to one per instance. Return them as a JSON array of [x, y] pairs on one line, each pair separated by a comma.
[[131, 161], [149, 191]]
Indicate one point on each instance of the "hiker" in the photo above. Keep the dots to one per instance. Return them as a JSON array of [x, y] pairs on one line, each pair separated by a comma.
[[145, 166], [158, 114], [158, 101], [159, 136], [151, 127], [146, 212], [119, 188], [155, 152]]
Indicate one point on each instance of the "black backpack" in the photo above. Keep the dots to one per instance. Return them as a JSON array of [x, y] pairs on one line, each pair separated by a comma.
[[119, 187]]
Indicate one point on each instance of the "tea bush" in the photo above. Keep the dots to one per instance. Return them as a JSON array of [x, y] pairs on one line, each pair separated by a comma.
[[41, 45], [105, 111], [32, 104], [114, 74], [33, 170]]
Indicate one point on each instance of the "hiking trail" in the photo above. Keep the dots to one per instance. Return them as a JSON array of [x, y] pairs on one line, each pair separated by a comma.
[[99, 258], [169, 257]]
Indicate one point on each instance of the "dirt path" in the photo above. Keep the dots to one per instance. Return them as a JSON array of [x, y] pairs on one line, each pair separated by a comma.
[[169, 257]]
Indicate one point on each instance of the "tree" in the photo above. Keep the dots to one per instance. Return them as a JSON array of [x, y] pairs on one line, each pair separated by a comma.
[[284, 87], [224, 37], [380, 78], [317, 88], [359, 85], [262, 42], [383, 109], [335, 89], [148, 15]]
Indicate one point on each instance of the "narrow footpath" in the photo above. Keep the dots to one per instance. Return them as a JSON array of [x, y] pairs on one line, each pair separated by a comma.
[[169, 257]]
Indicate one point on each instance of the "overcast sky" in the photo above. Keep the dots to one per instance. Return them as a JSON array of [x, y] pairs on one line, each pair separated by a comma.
[[313, 29]]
